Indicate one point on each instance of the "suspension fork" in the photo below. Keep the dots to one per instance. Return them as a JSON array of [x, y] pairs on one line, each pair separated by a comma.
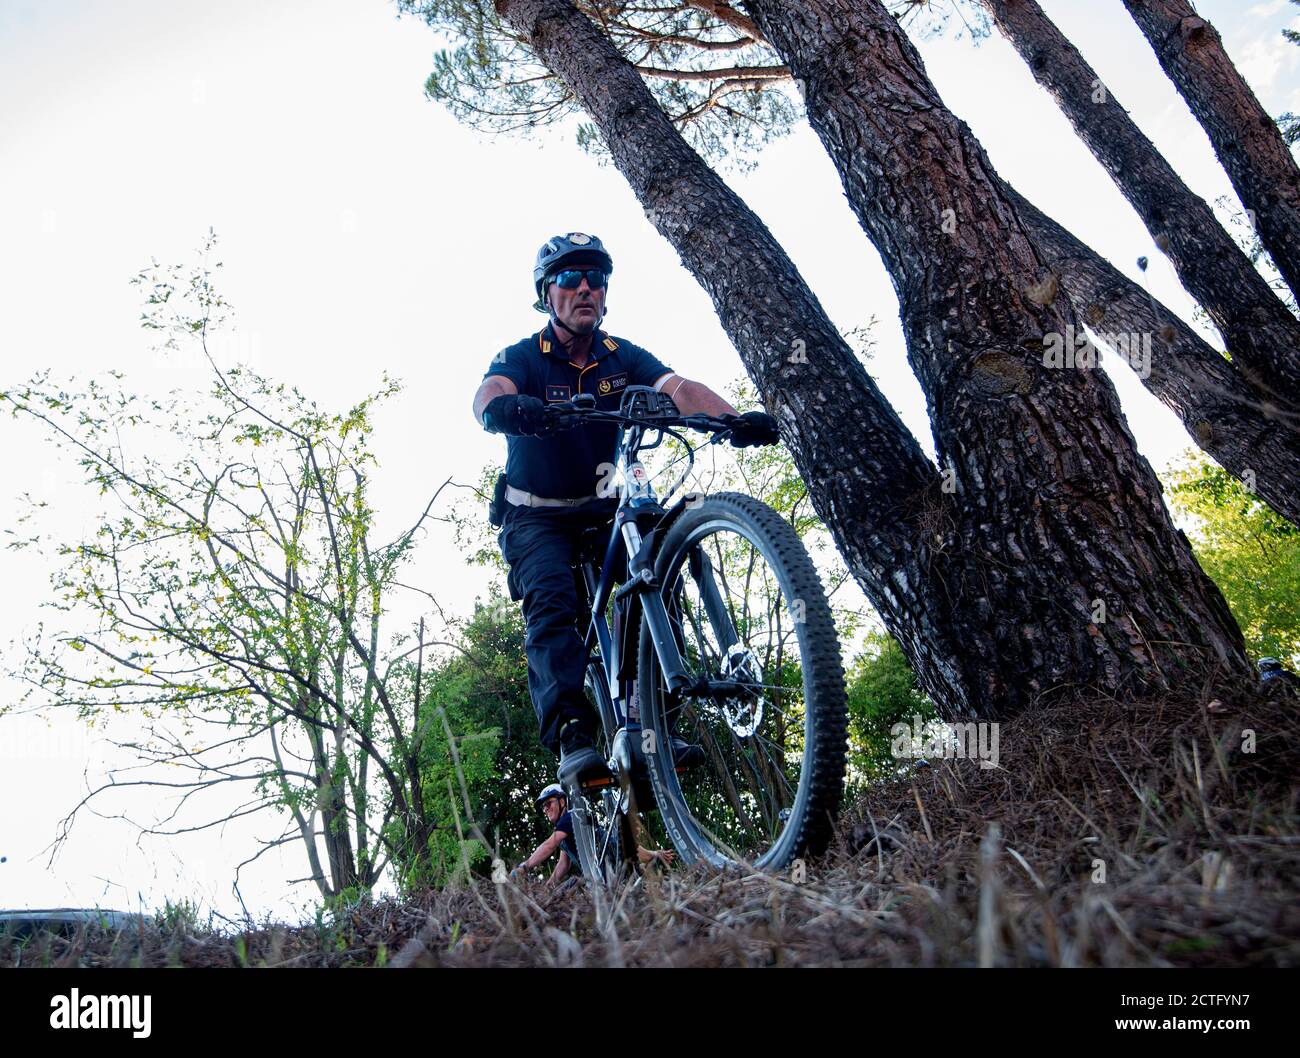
[[701, 567], [656, 614]]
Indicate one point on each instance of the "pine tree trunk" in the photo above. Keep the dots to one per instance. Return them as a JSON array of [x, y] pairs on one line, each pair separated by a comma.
[[1257, 328], [1062, 562], [868, 479], [1253, 440], [1056, 518], [1248, 142]]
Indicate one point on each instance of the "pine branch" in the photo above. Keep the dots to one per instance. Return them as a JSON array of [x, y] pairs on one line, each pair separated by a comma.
[[749, 73]]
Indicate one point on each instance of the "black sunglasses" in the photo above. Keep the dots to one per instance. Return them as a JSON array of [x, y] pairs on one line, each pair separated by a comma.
[[570, 278]]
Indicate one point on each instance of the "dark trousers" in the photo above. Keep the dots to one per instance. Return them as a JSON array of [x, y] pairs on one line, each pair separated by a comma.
[[541, 546]]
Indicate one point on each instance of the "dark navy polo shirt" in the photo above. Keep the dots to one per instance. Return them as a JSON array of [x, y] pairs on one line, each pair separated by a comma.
[[566, 465], [564, 825]]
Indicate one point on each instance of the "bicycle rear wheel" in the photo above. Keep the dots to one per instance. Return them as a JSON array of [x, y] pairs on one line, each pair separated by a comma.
[[747, 609], [601, 828]]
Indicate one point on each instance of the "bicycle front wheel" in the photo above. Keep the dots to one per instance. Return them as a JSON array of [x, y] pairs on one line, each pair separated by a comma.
[[751, 770]]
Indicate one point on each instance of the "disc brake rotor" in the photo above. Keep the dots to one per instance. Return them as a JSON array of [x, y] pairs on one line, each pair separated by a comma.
[[743, 715]]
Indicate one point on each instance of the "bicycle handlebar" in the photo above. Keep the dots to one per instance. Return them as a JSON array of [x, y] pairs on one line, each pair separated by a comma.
[[567, 414], [655, 416]]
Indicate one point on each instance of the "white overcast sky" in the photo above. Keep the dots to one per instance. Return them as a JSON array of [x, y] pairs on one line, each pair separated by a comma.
[[362, 230]]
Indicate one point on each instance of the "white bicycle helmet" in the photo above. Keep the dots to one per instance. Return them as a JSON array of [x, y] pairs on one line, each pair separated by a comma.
[[554, 790]]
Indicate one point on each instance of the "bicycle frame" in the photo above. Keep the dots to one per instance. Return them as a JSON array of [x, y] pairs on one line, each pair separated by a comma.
[[638, 505], [636, 502]]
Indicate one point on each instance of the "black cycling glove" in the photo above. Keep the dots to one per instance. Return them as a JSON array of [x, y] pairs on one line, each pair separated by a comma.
[[752, 428], [515, 413]]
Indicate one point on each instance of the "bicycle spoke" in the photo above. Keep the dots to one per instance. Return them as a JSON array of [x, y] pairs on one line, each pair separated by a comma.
[[751, 774]]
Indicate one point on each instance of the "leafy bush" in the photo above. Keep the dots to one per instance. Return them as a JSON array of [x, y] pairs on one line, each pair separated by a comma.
[[1249, 551], [882, 692]]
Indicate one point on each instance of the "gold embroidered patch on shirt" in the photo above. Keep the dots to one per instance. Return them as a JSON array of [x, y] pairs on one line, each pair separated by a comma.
[[612, 384]]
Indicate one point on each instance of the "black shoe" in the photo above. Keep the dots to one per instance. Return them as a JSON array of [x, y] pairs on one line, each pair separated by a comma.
[[579, 761]]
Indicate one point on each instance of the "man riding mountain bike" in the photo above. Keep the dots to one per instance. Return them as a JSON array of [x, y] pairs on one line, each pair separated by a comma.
[[552, 480]]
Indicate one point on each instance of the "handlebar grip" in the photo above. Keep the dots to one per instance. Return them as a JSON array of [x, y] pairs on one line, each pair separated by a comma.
[[705, 422]]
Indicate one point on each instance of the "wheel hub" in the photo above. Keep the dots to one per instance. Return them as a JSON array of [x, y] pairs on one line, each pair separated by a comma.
[[743, 714]]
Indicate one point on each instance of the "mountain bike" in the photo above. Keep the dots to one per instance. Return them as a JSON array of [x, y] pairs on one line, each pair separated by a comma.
[[714, 666]]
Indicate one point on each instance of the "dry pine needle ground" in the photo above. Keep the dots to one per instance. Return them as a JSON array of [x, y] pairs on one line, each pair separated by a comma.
[[1110, 834]]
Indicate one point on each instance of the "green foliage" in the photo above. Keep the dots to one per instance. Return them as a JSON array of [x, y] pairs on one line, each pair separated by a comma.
[[182, 916], [493, 82], [1289, 122], [882, 692], [722, 86], [473, 535], [1251, 553], [230, 594], [346, 899], [478, 704]]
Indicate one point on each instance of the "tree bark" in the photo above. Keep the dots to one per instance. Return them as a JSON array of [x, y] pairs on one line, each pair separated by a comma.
[[1257, 328], [1249, 432], [1246, 139], [868, 479], [1062, 563], [1035, 545], [1254, 440]]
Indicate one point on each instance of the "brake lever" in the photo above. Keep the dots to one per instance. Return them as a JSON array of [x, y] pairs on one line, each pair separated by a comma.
[[566, 416]]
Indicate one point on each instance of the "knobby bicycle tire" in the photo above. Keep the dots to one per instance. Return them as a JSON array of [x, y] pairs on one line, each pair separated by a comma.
[[809, 824]]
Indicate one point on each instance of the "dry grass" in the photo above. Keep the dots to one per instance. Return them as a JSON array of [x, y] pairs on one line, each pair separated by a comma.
[[956, 865]]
